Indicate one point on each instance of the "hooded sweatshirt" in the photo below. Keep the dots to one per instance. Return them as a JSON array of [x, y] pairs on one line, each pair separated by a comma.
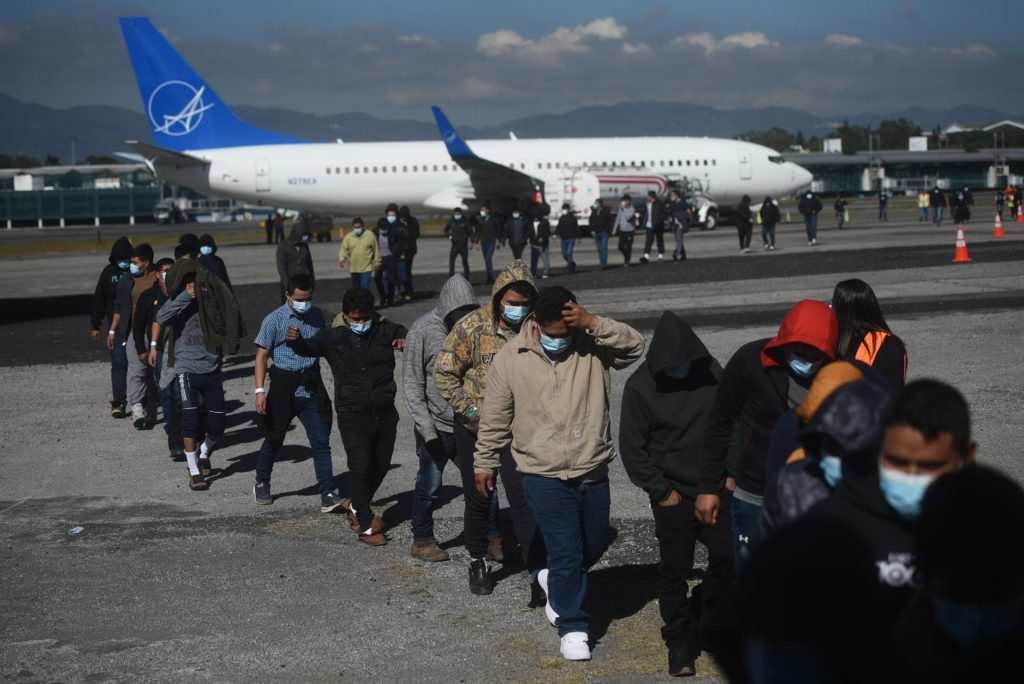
[[412, 230], [106, 287], [293, 256], [212, 262], [661, 430], [461, 367], [752, 395], [430, 412]]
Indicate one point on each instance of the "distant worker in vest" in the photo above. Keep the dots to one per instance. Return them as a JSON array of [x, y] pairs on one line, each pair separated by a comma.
[[923, 201], [864, 335]]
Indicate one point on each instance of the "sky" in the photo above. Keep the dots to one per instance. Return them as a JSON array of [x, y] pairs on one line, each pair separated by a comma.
[[488, 62]]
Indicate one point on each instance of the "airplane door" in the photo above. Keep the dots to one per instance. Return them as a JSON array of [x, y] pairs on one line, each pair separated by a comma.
[[262, 175], [746, 166]]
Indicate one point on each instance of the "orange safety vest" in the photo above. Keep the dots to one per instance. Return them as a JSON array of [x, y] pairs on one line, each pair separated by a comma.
[[872, 344]]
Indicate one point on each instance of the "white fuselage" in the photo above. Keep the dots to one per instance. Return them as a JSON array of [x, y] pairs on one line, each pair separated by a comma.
[[357, 178]]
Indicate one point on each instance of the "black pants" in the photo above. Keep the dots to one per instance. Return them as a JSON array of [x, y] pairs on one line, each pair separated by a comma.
[[744, 231], [460, 251], [517, 249], [678, 532], [409, 258], [369, 441], [477, 520], [652, 235], [626, 245]]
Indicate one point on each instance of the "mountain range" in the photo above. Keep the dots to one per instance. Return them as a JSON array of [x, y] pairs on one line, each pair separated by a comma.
[[37, 130]]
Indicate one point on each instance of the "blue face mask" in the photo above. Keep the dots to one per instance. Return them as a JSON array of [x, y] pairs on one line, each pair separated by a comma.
[[677, 372], [967, 624], [136, 270], [555, 345], [802, 368], [565, 212], [902, 490], [302, 307], [124, 265], [305, 238], [392, 219], [359, 231], [515, 214], [360, 328], [832, 467], [206, 251], [484, 214], [457, 217], [514, 315]]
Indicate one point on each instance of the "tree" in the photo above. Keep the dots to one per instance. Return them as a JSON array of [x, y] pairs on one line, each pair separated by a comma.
[[893, 134], [51, 160], [855, 138], [775, 138]]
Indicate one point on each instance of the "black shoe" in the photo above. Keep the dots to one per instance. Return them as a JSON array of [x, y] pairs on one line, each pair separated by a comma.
[[330, 503], [177, 454], [538, 599], [480, 578], [205, 467], [681, 663], [261, 492]]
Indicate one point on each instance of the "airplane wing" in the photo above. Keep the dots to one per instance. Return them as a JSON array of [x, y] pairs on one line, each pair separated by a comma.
[[161, 156], [502, 186]]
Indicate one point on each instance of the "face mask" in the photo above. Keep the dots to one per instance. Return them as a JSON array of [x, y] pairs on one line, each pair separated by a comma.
[[163, 276], [392, 219], [136, 270], [360, 328], [968, 624], [802, 368], [514, 314], [565, 212], [483, 214], [832, 467], [902, 490], [677, 372], [302, 307], [457, 217], [359, 231], [206, 251], [305, 238], [515, 214], [593, 207], [554, 345], [124, 265]]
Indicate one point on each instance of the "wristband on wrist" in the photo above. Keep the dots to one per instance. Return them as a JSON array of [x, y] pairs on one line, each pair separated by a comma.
[[260, 390], [111, 332], [152, 344], [471, 412]]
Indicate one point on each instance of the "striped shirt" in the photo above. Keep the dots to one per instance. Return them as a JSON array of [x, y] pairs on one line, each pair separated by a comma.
[[272, 338]]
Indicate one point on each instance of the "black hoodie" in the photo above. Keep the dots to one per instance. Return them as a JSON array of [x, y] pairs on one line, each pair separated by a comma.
[[106, 286], [213, 263], [293, 256], [661, 429], [412, 230]]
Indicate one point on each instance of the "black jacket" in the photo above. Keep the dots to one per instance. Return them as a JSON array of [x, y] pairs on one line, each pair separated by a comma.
[[858, 503], [363, 365], [293, 256], [770, 214], [602, 221], [106, 287], [890, 362], [460, 232], [540, 232], [397, 237], [568, 227], [412, 230], [517, 230], [215, 265], [936, 198], [751, 397], [661, 429], [809, 205], [145, 314], [658, 214], [743, 217], [489, 229]]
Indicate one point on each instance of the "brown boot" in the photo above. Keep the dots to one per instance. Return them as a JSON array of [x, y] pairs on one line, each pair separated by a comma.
[[197, 484], [117, 409], [428, 551], [376, 539], [376, 527], [494, 550]]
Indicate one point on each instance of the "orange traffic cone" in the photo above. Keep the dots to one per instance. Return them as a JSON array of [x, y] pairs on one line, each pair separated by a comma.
[[998, 232], [1020, 214], [961, 257]]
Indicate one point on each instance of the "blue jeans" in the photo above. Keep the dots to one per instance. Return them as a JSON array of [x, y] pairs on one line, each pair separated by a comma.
[[938, 215], [568, 245], [883, 212], [923, 215], [573, 518], [319, 435], [487, 249], [768, 234], [811, 226], [433, 460], [402, 277], [601, 240], [362, 280], [746, 520], [119, 370], [840, 219]]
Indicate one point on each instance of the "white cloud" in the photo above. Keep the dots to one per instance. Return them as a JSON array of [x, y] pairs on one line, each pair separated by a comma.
[[636, 48], [562, 39], [747, 39], [975, 51], [843, 40]]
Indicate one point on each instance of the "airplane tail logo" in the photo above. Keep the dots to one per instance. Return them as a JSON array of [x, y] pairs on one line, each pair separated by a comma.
[[184, 111], [166, 98]]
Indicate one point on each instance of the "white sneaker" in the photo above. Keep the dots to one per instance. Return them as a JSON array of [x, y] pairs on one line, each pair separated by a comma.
[[574, 646], [814, 241], [549, 612], [661, 257]]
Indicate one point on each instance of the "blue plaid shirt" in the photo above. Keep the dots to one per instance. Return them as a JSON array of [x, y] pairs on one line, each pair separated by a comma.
[[272, 338]]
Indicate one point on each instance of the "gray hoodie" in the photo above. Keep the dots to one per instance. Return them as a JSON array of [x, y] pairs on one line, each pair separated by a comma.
[[430, 412]]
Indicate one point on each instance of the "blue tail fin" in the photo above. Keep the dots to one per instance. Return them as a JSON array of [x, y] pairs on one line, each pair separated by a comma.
[[184, 112]]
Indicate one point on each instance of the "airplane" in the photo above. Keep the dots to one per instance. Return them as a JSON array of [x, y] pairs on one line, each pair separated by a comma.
[[200, 143]]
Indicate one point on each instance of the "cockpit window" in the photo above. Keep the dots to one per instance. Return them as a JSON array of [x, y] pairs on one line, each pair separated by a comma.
[[777, 159]]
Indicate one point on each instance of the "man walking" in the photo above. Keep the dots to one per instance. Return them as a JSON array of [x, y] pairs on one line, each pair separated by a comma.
[[360, 252], [103, 300], [625, 228], [567, 230], [601, 224], [518, 232], [562, 356], [293, 257], [461, 234], [540, 244], [488, 235], [679, 214], [412, 235], [810, 207], [937, 200], [652, 218], [296, 390]]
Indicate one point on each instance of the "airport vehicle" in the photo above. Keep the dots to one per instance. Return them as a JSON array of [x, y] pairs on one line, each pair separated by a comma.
[[201, 144]]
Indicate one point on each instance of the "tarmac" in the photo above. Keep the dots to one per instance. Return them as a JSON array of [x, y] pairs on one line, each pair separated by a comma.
[[165, 584]]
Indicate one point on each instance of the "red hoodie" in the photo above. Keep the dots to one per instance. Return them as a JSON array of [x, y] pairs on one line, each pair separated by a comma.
[[809, 321]]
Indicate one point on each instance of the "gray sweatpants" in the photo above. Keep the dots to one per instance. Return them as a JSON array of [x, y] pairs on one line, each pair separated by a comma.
[[141, 385]]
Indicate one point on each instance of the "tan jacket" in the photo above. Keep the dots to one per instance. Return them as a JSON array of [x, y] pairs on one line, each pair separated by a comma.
[[554, 416], [461, 367]]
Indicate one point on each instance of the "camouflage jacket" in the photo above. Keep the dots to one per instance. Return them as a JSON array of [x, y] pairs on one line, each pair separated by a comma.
[[460, 371]]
